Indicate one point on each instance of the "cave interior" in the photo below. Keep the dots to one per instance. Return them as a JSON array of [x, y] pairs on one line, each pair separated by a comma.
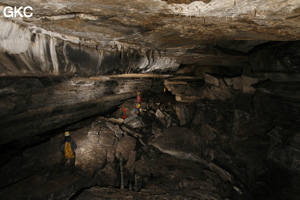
[[220, 99]]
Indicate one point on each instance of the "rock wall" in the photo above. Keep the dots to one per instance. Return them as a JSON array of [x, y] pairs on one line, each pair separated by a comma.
[[241, 123], [107, 146], [246, 121], [32, 105], [237, 138], [254, 133], [30, 50]]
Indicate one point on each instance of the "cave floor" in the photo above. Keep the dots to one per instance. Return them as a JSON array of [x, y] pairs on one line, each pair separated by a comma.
[[35, 174]]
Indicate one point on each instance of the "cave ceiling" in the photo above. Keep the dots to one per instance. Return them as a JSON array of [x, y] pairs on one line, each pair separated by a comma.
[[185, 31]]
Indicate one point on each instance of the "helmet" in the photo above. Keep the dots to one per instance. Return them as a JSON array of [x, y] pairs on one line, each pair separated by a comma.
[[67, 133]]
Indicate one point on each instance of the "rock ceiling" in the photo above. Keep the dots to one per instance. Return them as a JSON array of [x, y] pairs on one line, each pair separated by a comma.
[[90, 39], [185, 31]]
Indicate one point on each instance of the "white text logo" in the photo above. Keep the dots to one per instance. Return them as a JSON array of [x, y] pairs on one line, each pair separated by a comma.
[[17, 12]]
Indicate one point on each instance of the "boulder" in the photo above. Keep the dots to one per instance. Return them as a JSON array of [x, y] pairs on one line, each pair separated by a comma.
[[179, 142], [116, 129], [211, 80], [183, 114], [125, 146]]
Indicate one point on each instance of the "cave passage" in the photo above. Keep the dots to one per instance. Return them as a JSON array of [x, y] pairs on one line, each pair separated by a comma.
[[197, 136], [159, 99]]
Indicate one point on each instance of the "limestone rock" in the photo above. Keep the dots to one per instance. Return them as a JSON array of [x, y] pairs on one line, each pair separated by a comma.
[[211, 80], [125, 146], [244, 84], [183, 114], [282, 156], [116, 129], [37, 105], [247, 84], [238, 86], [273, 57], [238, 83], [179, 142], [131, 161], [107, 137], [136, 123], [164, 118], [128, 119]]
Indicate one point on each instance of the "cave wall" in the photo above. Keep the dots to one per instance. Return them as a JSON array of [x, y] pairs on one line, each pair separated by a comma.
[[240, 123], [243, 120], [33, 105], [34, 51], [277, 103], [246, 118], [249, 124]]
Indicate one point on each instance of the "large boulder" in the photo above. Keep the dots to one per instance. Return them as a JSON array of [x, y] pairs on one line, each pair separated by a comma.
[[96, 163]]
